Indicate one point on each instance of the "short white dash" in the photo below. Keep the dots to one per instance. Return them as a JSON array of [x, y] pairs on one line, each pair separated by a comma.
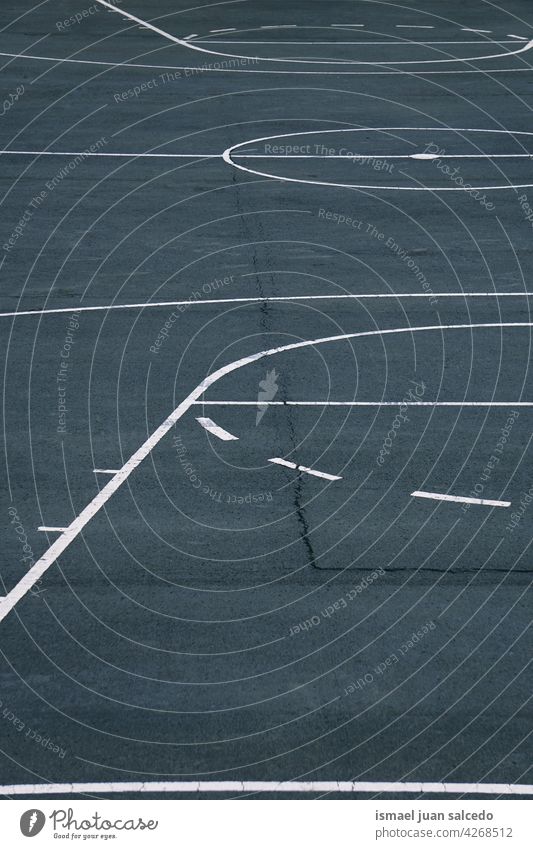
[[413, 26], [423, 156], [106, 471], [520, 37], [192, 35], [298, 468], [213, 428], [467, 29], [227, 29], [462, 499], [52, 530]]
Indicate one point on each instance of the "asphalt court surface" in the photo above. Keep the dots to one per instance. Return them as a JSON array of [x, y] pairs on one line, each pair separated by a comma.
[[328, 214]]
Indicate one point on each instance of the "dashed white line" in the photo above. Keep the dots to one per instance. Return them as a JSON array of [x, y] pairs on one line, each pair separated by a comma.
[[436, 496], [414, 26], [519, 37], [95, 505], [296, 466], [266, 787], [51, 530], [215, 429], [106, 471], [227, 29]]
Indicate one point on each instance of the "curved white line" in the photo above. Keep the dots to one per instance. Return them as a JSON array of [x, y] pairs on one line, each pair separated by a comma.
[[266, 787], [194, 46], [203, 69], [77, 525], [227, 157]]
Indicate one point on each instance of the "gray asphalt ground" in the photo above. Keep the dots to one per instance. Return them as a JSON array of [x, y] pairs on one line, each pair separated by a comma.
[[223, 617]]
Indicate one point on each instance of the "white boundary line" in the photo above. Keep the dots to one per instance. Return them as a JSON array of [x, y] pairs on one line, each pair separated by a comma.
[[193, 46], [227, 156], [198, 68], [202, 302], [140, 154], [216, 430], [436, 496], [368, 403], [279, 461], [95, 505], [267, 787]]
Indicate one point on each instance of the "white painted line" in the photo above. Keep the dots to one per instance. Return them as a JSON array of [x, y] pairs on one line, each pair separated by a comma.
[[382, 156], [520, 37], [362, 296], [192, 35], [266, 787], [227, 29], [213, 428], [423, 156], [280, 462], [413, 26], [95, 505], [358, 43], [51, 530], [222, 403], [462, 499], [194, 46], [106, 471], [139, 155], [337, 73], [467, 29], [230, 155], [346, 25]]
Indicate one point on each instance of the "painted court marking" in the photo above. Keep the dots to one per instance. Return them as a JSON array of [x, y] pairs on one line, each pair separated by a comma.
[[194, 46], [106, 471], [198, 68], [368, 403], [230, 156], [95, 505], [51, 530], [462, 499], [267, 787], [213, 428], [296, 466], [204, 301]]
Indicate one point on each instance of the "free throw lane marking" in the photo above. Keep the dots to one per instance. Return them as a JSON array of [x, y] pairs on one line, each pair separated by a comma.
[[74, 529], [266, 787], [280, 462], [213, 428], [462, 499]]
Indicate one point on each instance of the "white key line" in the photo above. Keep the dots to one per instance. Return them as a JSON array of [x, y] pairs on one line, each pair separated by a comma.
[[51, 530], [368, 403], [213, 428], [280, 462], [204, 301], [266, 787], [460, 498], [102, 497]]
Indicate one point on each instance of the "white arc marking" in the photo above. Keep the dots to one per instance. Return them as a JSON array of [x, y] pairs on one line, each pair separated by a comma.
[[213, 428], [74, 529], [193, 46], [280, 462], [230, 156], [266, 787], [462, 499]]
